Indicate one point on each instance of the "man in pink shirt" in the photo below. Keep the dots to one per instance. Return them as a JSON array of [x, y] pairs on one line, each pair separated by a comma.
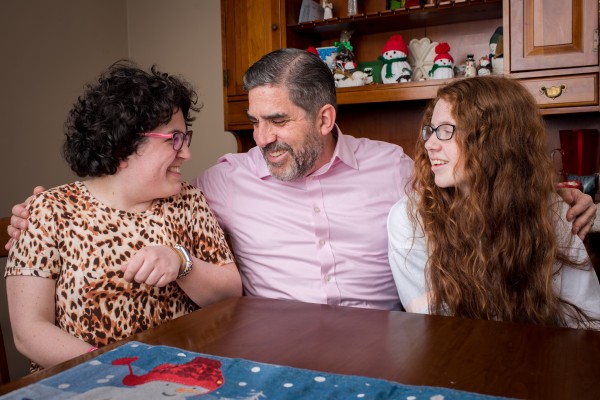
[[306, 209]]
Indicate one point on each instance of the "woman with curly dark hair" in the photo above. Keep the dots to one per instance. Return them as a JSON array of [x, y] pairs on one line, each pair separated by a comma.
[[128, 248], [483, 234]]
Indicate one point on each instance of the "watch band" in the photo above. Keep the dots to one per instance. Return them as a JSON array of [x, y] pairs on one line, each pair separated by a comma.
[[186, 261]]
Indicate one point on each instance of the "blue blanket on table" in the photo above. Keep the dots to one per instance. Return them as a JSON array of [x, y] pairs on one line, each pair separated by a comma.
[[139, 371]]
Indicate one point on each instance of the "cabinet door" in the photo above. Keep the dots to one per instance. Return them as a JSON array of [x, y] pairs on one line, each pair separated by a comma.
[[252, 28], [548, 34]]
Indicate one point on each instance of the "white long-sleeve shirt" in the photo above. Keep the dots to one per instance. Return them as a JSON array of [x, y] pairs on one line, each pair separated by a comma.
[[408, 259]]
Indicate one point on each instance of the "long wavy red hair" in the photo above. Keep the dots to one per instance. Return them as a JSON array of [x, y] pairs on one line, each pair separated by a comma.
[[492, 250]]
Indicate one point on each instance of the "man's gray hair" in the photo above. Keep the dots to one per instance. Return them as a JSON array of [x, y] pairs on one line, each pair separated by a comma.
[[305, 75]]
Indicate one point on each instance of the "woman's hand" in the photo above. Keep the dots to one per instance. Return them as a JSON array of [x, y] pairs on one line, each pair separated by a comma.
[[152, 265]]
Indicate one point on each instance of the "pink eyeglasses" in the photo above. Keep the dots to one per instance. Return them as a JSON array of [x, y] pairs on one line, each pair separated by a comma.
[[178, 138]]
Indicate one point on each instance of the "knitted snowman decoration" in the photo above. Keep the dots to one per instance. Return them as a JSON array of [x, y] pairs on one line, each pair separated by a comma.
[[443, 63], [395, 64]]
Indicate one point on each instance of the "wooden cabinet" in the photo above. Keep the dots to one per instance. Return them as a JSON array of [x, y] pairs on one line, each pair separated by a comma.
[[250, 29], [553, 34], [554, 49]]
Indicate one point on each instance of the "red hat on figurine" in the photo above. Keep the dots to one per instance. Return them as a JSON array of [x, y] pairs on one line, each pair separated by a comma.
[[442, 51], [396, 42]]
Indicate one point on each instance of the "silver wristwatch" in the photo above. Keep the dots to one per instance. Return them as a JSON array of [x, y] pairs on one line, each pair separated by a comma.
[[186, 259]]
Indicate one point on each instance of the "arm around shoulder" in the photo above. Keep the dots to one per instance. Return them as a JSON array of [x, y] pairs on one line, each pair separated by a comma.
[[579, 284], [18, 220]]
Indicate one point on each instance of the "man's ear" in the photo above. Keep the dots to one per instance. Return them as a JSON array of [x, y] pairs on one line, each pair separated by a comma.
[[326, 119]]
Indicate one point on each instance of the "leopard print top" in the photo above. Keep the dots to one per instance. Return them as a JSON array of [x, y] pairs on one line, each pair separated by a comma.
[[81, 244]]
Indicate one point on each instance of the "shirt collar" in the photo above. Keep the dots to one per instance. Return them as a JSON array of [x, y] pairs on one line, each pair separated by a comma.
[[343, 153]]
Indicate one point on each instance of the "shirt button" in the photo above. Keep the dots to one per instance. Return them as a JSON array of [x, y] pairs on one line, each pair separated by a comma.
[[317, 210], [322, 242], [327, 278]]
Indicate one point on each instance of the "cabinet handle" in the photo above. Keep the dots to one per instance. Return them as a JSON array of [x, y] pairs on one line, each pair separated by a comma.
[[554, 91], [274, 27]]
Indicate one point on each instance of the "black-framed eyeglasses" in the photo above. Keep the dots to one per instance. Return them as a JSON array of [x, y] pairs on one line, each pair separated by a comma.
[[442, 132], [178, 138]]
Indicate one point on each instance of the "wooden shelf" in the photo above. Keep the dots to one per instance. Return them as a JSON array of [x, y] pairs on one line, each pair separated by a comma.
[[421, 90], [445, 13]]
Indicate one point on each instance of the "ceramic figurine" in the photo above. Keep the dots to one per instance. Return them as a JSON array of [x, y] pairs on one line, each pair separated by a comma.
[[395, 65], [420, 57], [327, 9], [346, 73], [345, 59], [350, 79], [443, 63], [470, 67], [352, 7], [497, 51], [485, 67]]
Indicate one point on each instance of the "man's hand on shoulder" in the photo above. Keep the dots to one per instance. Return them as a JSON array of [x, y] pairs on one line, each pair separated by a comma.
[[18, 220], [582, 211]]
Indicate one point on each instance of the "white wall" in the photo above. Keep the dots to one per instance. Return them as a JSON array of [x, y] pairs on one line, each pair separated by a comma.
[[50, 49], [184, 37]]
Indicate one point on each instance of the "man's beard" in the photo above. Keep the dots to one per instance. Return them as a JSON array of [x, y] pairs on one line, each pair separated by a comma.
[[302, 161]]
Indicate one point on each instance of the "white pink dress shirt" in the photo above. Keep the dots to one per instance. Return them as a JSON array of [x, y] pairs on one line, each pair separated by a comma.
[[319, 239]]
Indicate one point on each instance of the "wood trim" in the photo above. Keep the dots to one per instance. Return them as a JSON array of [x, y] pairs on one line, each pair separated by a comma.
[[224, 60], [507, 34], [569, 110]]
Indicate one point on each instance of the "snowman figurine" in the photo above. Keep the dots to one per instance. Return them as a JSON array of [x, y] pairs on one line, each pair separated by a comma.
[[485, 67], [395, 65], [443, 63]]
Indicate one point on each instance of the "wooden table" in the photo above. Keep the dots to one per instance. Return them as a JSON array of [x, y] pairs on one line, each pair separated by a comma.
[[504, 359]]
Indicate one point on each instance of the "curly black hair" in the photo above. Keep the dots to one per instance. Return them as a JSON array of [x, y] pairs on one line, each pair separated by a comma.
[[104, 125]]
